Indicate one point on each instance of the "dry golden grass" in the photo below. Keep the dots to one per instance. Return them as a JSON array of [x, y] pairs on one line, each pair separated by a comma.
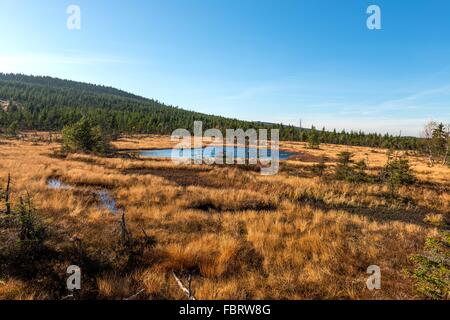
[[241, 235], [435, 219], [15, 290]]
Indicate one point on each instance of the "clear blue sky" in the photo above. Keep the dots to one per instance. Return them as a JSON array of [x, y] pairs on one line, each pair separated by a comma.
[[250, 59]]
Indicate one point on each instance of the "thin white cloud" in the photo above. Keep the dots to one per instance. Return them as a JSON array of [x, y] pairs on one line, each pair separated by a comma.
[[407, 113], [407, 126], [414, 99]]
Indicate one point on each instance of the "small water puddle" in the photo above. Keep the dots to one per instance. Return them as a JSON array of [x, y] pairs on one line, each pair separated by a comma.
[[57, 184], [107, 201], [105, 198]]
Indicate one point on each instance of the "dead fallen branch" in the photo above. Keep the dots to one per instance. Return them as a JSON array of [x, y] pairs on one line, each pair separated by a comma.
[[136, 295], [187, 291]]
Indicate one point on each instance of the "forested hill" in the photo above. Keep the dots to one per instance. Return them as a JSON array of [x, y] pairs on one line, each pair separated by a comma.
[[45, 103], [66, 84]]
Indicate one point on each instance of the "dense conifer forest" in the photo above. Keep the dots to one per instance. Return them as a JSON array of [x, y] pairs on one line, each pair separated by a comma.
[[46, 103]]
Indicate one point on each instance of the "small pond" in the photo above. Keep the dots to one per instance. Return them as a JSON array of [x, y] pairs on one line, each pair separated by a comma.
[[213, 152]]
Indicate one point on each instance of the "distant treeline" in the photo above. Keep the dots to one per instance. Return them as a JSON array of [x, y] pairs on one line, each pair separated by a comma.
[[45, 103]]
